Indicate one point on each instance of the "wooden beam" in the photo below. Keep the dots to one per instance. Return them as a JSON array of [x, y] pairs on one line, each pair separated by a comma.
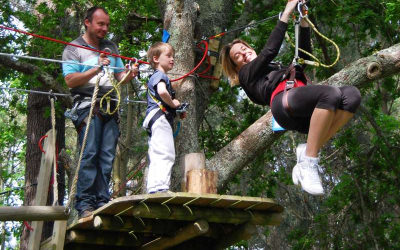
[[217, 73], [102, 238], [33, 213], [43, 181], [243, 232], [217, 215], [190, 231], [130, 223]]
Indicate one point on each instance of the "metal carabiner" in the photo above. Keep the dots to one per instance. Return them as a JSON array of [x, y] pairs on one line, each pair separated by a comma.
[[301, 6]]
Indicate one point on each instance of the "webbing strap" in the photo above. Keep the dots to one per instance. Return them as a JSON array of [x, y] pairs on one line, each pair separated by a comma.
[[289, 85], [155, 117]]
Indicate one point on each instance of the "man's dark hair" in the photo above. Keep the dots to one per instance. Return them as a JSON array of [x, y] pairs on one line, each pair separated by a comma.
[[89, 13]]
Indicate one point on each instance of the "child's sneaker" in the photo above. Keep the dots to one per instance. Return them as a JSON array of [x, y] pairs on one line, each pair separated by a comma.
[[306, 174]]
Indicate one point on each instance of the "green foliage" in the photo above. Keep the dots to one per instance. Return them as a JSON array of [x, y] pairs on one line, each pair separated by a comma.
[[362, 167]]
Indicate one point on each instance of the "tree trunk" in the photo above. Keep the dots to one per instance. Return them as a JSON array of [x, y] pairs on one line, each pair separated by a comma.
[[179, 17]]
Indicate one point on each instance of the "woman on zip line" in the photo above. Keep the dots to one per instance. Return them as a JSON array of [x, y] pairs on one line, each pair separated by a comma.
[[317, 110]]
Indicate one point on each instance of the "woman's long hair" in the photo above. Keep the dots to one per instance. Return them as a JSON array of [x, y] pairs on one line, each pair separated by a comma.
[[228, 66]]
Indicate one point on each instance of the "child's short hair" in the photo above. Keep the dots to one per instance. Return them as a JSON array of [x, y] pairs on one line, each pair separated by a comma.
[[155, 51]]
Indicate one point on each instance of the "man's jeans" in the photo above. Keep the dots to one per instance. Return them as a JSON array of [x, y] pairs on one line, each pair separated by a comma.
[[96, 165]]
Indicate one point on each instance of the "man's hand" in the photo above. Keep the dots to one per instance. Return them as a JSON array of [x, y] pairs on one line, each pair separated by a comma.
[[103, 61], [133, 73]]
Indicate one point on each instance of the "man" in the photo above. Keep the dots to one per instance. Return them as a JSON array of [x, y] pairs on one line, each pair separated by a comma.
[[96, 165]]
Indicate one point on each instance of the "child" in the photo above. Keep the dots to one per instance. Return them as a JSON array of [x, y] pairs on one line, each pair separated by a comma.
[[160, 113]]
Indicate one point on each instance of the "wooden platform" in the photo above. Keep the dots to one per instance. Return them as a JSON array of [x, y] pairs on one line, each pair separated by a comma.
[[172, 220]]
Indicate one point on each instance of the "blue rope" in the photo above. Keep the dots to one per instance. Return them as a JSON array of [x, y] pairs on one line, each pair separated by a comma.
[[178, 127]]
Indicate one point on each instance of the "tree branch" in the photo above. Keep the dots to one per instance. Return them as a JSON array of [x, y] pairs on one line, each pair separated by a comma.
[[32, 70]]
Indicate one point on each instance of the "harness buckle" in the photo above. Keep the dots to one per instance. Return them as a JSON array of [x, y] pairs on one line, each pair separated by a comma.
[[290, 84]]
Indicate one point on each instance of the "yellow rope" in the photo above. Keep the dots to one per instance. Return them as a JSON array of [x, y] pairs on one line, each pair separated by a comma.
[[53, 125], [316, 61], [116, 87], [75, 180]]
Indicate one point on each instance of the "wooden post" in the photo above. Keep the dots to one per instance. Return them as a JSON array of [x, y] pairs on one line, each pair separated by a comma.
[[192, 161], [56, 241], [42, 188], [196, 178], [201, 181], [190, 231]]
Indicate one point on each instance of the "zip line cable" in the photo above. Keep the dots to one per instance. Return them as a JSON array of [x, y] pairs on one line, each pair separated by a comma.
[[56, 61], [77, 63], [59, 94], [242, 27]]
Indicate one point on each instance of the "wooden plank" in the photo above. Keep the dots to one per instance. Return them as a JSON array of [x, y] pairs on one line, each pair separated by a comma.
[[42, 188], [201, 181], [190, 231], [33, 213], [179, 198], [215, 215]]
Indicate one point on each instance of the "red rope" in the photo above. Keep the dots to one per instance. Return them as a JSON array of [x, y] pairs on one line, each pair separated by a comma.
[[75, 45], [116, 55], [40, 143], [130, 178], [197, 66], [26, 224]]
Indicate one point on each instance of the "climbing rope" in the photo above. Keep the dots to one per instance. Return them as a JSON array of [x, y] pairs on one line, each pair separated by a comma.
[[75, 180], [316, 61], [53, 126], [116, 88]]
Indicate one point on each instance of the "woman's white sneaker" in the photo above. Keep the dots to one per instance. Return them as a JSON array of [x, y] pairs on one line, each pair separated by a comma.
[[306, 173], [301, 152]]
